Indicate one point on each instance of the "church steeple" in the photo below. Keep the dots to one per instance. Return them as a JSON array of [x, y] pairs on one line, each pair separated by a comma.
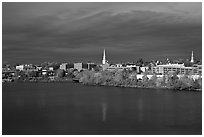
[[104, 57], [192, 59]]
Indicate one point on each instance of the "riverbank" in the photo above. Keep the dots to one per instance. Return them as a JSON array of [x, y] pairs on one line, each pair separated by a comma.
[[130, 79], [39, 80], [103, 84], [142, 87], [122, 79]]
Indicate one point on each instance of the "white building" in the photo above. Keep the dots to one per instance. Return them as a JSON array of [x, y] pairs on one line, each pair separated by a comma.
[[120, 67], [63, 66], [20, 67], [44, 72], [180, 68], [143, 69], [51, 68], [78, 66], [104, 58], [192, 59]]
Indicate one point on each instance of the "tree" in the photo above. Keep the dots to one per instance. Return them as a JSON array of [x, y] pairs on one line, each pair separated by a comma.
[[200, 82], [75, 72], [133, 78], [32, 74], [118, 78], [97, 68], [22, 75], [98, 78], [86, 77], [60, 73], [139, 62], [159, 82], [145, 80], [196, 85], [188, 63], [152, 81], [171, 79], [107, 77]]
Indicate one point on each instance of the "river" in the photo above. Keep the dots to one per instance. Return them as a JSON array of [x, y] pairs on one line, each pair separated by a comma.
[[72, 108]]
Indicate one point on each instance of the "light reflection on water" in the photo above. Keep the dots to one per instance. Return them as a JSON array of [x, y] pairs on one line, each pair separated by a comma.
[[140, 109], [67, 108], [104, 108]]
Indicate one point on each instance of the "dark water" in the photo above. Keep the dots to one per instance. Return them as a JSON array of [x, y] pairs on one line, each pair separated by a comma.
[[71, 108]]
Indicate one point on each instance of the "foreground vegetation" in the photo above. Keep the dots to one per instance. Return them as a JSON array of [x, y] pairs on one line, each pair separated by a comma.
[[129, 79]]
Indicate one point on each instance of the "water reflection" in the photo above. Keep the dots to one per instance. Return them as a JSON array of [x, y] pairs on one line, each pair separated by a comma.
[[140, 109], [104, 110]]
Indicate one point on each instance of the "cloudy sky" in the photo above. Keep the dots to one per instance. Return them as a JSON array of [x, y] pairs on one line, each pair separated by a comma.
[[38, 32]]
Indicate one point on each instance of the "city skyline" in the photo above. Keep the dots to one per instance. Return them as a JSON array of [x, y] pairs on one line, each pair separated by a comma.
[[39, 32]]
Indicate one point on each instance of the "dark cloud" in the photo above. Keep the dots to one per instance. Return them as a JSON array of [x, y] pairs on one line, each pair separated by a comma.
[[47, 33]]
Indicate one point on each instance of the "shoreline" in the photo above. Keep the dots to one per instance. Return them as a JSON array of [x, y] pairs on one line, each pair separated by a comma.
[[88, 84], [141, 87]]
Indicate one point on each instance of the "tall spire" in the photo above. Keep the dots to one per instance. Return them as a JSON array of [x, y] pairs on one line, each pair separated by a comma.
[[104, 57], [192, 60]]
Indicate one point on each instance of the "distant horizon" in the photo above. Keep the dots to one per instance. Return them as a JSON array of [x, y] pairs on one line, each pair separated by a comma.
[[62, 32]]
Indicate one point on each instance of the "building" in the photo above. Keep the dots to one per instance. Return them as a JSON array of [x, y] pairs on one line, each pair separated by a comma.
[[70, 65], [179, 68], [144, 69], [83, 66], [20, 67], [78, 66], [133, 67], [119, 67], [44, 72], [198, 68], [90, 65], [63, 66], [192, 59], [51, 68], [104, 57]]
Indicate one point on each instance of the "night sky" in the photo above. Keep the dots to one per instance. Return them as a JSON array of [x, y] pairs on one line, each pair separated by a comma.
[[78, 32]]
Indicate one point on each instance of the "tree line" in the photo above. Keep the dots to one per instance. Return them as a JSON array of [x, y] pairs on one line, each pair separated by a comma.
[[129, 79]]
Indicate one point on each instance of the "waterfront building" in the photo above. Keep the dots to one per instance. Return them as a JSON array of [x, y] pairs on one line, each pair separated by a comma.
[[78, 66], [91, 65], [121, 67], [83, 66], [63, 66], [51, 68], [198, 68], [133, 67], [144, 69], [20, 67], [179, 68], [116, 67]]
